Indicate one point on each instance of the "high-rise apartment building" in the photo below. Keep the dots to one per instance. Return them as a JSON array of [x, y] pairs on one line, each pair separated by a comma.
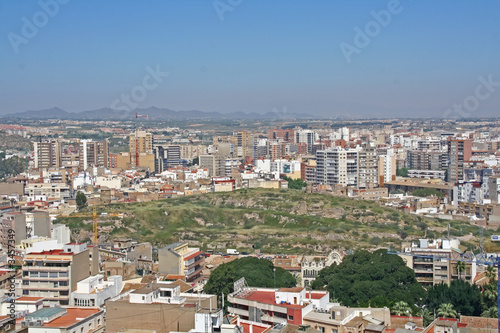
[[47, 154], [386, 167], [368, 167], [426, 160], [459, 151], [166, 156], [245, 144], [337, 167], [93, 154], [306, 136], [141, 150]]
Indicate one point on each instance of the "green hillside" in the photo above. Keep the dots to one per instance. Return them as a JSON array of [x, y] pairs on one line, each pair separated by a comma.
[[273, 221]]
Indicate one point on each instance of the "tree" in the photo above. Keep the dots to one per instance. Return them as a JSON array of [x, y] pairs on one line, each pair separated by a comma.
[[446, 310], [367, 278], [11, 166], [491, 312], [491, 273], [426, 315], [402, 172], [401, 309], [81, 200], [296, 184], [465, 297], [257, 273], [460, 268]]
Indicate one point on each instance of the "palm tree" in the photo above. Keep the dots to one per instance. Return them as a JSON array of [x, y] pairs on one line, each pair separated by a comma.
[[460, 268], [491, 312], [446, 310], [401, 308], [426, 315], [491, 273]]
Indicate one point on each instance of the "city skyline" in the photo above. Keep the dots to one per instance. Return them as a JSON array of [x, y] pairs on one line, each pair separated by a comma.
[[357, 59]]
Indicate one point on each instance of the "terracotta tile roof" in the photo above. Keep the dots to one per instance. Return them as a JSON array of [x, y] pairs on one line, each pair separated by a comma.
[[73, 316], [29, 299]]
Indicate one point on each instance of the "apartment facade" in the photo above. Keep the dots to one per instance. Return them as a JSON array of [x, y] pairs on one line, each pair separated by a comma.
[[337, 167], [434, 261], [141, 150], [47, 154], [459, 151], [275, 306], [25, 225], [180, 259], [93, 154], [54, 274]]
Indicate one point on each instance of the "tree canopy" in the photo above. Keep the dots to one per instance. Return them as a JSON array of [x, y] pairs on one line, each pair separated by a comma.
[[466, 298], [81, 200], [11, 166], [375, 279], [296, 184], [257, 273], [402, 172]]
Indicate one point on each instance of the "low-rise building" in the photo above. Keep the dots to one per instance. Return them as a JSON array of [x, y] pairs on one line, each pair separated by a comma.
[[64, 320], [94, 291], [161, 307], [54, 274], [275, 306], [180, 259]]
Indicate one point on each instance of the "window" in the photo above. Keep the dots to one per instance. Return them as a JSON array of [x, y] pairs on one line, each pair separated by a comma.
[[334, 330], [33, 274], [290, 317], [53, 274], [44, 274], [321, 329], [26, 283], [63, 283]]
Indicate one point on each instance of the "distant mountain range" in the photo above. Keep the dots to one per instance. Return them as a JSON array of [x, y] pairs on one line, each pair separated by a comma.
[[153, 113]]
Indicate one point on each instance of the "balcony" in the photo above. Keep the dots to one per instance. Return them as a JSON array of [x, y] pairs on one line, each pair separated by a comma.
[[46, 268], [237, 311], [425, 279]]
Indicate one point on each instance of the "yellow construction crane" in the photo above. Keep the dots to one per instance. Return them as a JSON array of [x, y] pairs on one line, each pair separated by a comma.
[[94, 220]]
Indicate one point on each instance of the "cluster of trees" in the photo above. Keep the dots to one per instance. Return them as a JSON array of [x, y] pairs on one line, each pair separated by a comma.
[[11, 166], [296, 184], [370, 279], [257, 273], [380, 279]]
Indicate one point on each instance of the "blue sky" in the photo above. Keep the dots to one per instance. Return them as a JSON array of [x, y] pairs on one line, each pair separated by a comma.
[[263, 55]]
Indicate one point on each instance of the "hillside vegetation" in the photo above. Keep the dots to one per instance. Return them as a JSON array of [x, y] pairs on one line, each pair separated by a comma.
[[273, 221]]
